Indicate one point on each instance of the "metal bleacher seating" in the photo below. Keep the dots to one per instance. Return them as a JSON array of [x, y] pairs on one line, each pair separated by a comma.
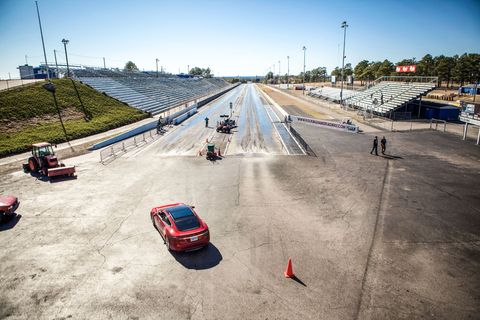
[[146, 91], [389, 94], [331, 93]]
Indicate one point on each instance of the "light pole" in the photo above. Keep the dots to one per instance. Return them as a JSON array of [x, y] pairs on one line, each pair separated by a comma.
[[43, 43], [344, 26], [304, 49], [65, 42], [104, 65], [87, 114], [56, 64], [279, 73], [288, 71], [156, 60]]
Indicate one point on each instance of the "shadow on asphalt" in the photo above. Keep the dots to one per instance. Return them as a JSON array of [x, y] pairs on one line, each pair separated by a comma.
[[390, 156], [60, 179], [39, 176], [296, 279], [10, 222], [205, 258]]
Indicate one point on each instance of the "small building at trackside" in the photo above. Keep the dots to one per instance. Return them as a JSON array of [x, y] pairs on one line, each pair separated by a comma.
[[40, 72]]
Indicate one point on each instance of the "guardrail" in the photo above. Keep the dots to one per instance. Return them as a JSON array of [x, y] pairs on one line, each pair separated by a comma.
[[302, 142], [113, 151], [436, 122]]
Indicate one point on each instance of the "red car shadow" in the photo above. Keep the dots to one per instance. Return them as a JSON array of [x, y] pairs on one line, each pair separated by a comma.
[[201, 259], [10, 222]]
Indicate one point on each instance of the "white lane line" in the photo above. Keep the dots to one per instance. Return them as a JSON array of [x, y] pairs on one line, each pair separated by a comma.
[[286, 128], [278, 132]]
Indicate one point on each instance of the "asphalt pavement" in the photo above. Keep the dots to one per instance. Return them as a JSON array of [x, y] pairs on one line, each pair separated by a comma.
[[394, 237]]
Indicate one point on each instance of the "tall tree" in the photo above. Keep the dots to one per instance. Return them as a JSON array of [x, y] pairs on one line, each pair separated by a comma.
[[385, 68], [348, 71], [196, 71], [426, 66], [443, 68], [463, 69], [268, 76], [318, 74], [371, 71], [337, 72], [475, 63], [359, 70], [130, 66]]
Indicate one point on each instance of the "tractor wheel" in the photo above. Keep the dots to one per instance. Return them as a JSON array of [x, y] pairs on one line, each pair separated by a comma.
[[33, 165], [26, 168]]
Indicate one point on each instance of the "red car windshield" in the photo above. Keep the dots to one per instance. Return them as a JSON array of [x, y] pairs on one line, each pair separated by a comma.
[[184, 218], [187, 223]]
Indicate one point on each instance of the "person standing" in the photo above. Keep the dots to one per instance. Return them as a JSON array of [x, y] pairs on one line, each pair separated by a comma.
[[383, 143], [375, 146], [206, 122]]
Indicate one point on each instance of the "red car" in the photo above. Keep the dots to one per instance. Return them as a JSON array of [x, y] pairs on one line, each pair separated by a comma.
[[180, 227], [8, 205]]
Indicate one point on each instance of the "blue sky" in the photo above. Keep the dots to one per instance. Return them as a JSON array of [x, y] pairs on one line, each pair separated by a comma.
[[242, 37]]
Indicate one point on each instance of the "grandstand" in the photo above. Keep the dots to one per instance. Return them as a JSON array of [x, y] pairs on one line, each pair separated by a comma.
[[148, 92], [391, 93], [330, 93]]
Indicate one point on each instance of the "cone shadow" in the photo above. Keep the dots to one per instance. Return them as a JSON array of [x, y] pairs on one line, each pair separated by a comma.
[[296, 279]]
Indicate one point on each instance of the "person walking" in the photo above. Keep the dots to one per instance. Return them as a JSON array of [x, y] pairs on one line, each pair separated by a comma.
[[383, 143], [375, 146], [206, 122]]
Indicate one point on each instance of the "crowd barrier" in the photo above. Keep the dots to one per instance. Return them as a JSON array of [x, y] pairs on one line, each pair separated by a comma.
[[113, 151]]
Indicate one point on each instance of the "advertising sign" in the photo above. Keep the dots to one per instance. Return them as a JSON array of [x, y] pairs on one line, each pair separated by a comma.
[[333, 125], [411, 68]]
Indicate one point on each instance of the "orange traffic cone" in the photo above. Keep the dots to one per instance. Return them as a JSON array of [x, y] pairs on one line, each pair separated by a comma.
[[289, 270]]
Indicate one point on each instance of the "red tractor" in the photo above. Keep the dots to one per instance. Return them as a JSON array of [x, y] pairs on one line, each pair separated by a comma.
[[45, 161]]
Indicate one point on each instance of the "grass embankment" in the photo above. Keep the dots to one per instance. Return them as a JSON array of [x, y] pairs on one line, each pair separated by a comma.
[[28, 115]]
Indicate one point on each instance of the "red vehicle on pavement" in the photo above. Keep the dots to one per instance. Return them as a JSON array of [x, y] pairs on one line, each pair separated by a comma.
[[8, 205], [180, 227]]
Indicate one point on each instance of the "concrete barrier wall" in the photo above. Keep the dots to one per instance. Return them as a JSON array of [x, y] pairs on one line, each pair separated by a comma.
[[184, 116], [125, 135], [215, 96]]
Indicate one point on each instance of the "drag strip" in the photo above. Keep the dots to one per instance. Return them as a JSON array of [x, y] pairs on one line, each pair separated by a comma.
[[259, 129]]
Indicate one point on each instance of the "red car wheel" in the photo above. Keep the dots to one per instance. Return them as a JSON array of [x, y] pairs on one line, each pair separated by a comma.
[[167, 243]]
